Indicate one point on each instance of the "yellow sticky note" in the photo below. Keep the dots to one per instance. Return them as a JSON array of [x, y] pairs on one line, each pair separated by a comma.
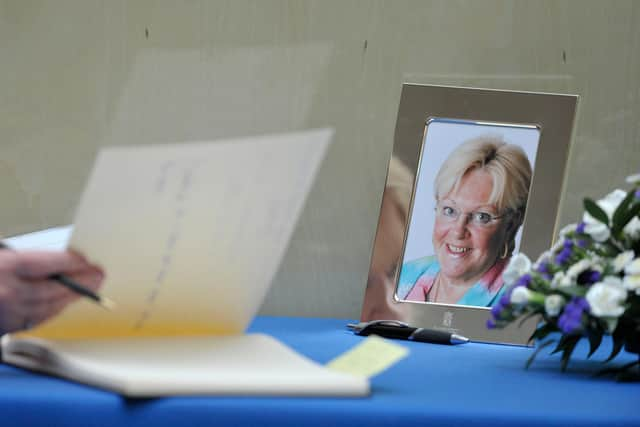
[[370, 357]]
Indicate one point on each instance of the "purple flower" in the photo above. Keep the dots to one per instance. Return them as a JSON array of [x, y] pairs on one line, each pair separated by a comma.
[[543, 269], [563, 256], [497, 309], [595, 276], [502, 303], [582, 243], [580, 228], [637, 194], [582, 303], [505, 299], [589, 277], [571, 318], [524, 280], [568, 323]]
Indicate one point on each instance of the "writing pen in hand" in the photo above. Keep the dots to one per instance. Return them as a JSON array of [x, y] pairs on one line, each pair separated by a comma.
[[400, 330], [74, 286]]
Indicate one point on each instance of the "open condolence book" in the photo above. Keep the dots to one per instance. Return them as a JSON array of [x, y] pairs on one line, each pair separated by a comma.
[[190, 236]]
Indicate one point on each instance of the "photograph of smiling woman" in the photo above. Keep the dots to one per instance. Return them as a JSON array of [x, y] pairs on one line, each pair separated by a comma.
[[481, 192]]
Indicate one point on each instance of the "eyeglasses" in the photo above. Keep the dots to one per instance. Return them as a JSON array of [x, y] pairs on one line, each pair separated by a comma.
[[477, 218]]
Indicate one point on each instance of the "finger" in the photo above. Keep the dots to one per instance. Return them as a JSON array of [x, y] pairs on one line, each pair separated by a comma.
[[90, 278], [89, 265], [12, 318], [38, 264], [40, 312], [39, 291], [24, 315]]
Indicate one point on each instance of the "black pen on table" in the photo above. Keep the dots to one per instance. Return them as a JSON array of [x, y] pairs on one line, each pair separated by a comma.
[[76, 287], [400, 330]]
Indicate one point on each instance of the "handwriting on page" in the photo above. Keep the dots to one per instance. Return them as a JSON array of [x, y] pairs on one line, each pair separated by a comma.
[[190, 234], [184, 173]]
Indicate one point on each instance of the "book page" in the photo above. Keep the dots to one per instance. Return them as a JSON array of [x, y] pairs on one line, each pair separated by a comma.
[[252, 364], [189, 235]]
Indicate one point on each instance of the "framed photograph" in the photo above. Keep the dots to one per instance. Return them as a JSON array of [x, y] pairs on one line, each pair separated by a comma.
[[475, 176]]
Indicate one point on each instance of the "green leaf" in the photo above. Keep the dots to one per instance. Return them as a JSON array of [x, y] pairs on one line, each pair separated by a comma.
[[595, 211], [567, 341], [527, 317], [561, 344], [566, 354], [536, 351], [571, 291], [618, 343], [618, 219], [595, 339], [543, 331], [626, 217], [501, 323]]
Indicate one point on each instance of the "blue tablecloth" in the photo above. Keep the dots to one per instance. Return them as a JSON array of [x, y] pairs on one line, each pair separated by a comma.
[[436, 385]]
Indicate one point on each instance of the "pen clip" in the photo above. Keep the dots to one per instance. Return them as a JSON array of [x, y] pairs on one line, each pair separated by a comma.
[[359, 327]]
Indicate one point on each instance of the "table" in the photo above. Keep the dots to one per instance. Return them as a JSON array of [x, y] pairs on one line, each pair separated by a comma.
[[436, 385]]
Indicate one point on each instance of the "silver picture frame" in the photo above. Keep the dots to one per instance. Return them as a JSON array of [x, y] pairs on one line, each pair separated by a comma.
[[544, 121]]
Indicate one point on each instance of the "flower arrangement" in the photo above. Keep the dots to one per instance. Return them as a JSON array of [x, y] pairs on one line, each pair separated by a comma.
[[586, 286]]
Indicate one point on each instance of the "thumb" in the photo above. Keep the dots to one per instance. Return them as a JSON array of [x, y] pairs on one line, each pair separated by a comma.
[[40, 264]]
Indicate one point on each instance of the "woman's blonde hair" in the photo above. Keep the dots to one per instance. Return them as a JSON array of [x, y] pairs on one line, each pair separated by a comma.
[[507, 164]]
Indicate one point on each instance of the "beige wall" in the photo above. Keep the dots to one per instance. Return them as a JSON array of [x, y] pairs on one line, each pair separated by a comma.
[[77, 75]]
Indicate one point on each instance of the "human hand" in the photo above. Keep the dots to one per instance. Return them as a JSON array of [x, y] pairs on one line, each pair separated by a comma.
[[28, 297]]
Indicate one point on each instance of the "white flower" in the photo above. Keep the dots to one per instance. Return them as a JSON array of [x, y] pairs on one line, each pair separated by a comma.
[[561, 280], [518, 266], [606, 297], [622, 260], [632, 283], [612, 322], [559, 244], [597, 230], [556, 279], [633, 179], [611, 201], [544, 257], [633, 227], [594, 228], [570, 228], [553, 304], [632, 278], [520, 295], [633, 268], [574, 271], [612, 280]]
